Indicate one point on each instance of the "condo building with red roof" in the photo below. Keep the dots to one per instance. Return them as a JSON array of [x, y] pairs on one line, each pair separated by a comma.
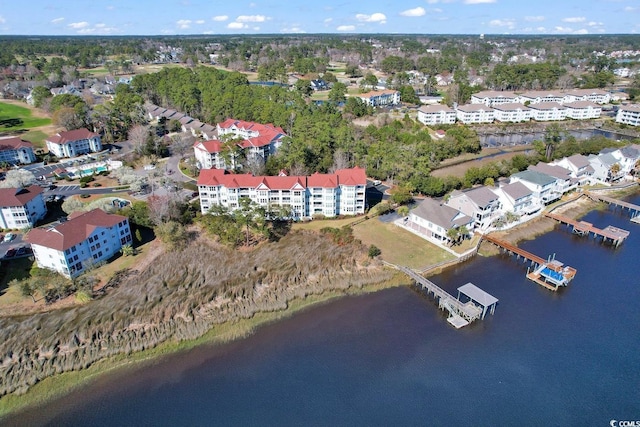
[[21, 207], [340, 193], [74, 143], [84, 240], [14, 150]]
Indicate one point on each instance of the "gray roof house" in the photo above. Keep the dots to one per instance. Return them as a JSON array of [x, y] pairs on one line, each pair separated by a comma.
[[564, 181], [518, 198], [433, 219], [542, 185], [602, 164], [479, 203]]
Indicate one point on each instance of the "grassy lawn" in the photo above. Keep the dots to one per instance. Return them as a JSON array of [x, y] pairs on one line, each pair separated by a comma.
[[318, 224], [23, 116], [13, 269], [399, 246], [37, 137]]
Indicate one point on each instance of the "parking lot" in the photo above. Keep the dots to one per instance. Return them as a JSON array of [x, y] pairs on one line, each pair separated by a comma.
[[11, 249]]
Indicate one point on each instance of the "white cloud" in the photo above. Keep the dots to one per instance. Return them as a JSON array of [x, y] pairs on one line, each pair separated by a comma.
[[220, 18], [595, 24], [376, 17], [418, 11], [346, 28], [574, 19], [436, 10], [100, 25], [57, 20], [565, 30], [78, 25], [183, 24], [631, 9], [237, 26], [251, 18], [534, 18], [328, 20], [294, 30], [508, 23], [200, 21], [582, 31], [478, 1], [2, 20]]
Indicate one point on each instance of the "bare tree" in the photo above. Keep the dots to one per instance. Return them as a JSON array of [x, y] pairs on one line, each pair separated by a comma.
[[181, 143], [340, 161], [18, 178], [138, 138], [163, 208]]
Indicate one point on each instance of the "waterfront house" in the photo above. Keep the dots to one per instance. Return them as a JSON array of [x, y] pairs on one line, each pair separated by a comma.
[[629, 114], [21, 207], [340, 193], [74, 143], [547, 111], [542, 185], [579, 167], [14, 151], [474, 113], [518, 199], [583, 110], [565, 182], [512, 112], [491, 98], [479, 203], [602, 164], [627, 157], [433, 219], [87, 238], [380, 98], [436, 114]]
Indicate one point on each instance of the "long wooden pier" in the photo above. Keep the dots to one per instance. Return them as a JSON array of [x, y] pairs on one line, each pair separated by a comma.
[[460, 314], [614, 234], [634, 209], [548, 273]]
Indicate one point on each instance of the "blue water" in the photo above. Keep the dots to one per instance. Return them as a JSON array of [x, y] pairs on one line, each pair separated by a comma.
[[390, 358]]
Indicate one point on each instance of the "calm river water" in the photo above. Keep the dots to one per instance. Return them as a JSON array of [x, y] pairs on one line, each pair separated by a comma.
[[390, 358]]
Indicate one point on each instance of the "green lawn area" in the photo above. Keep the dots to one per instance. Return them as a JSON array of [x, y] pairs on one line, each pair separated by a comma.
[[13, 269], [399, 246], [21, 118], [37, 137]]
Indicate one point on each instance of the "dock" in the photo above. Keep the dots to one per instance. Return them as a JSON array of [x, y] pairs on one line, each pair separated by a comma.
[[548, 273], [634, 209], [460, 314], [582, 228]]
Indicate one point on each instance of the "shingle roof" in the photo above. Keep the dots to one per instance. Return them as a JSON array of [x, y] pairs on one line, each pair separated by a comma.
[[77, 229], [516, 190], [552, 170], [579, 161], [535, 177], [18, 196], [440, 214], [481, 196]]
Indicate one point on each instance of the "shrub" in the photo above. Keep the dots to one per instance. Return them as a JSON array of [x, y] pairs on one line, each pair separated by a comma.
[[374, 251]]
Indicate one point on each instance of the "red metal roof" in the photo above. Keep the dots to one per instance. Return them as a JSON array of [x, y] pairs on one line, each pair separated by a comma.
[[71, 135], [211, 146], [77, 229], [13, 143], [18, 196]]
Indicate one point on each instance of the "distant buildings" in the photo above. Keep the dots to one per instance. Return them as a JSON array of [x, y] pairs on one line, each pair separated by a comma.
[[84, 240], [340, 193], [74, 143], [380, 98], [14, 150], [21, 207], [436, 114], [629, 115]]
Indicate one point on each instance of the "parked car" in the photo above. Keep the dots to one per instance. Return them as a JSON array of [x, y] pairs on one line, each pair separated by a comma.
[[9, 237], [11, 252], [21, 251]]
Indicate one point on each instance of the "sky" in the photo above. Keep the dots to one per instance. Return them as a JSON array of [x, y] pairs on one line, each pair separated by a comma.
[[187, 17]]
